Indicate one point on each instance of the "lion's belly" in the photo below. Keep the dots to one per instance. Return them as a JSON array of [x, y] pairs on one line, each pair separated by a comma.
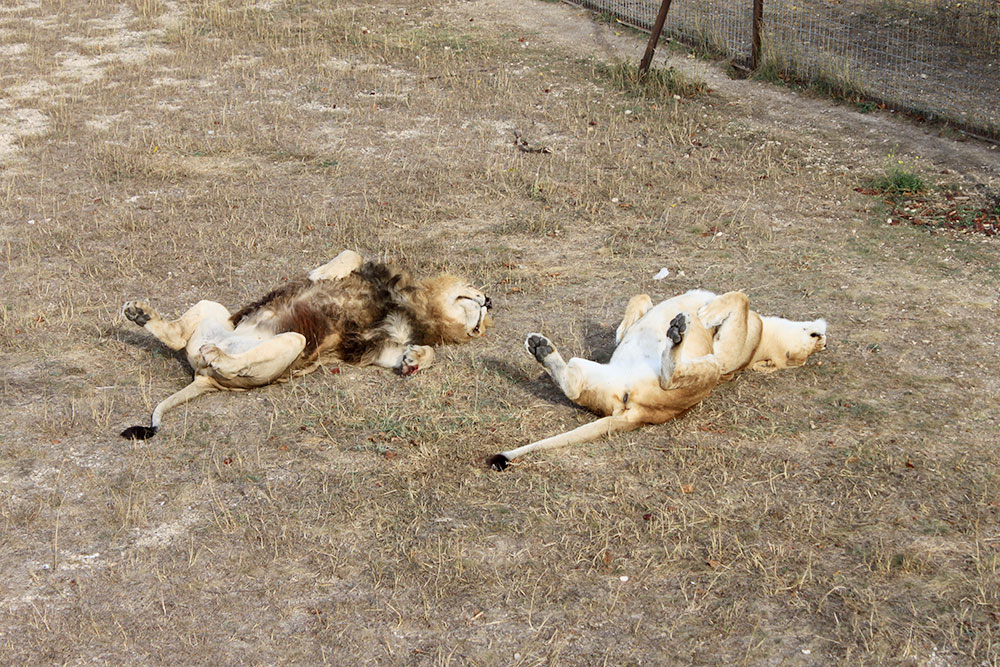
[[641, 352], [636, 364], [651, 405], [649, 334]]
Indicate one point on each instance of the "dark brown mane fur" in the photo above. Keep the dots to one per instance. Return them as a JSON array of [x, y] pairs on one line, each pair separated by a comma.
[[352, 316]]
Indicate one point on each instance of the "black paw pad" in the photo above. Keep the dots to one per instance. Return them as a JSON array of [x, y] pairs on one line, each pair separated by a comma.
[[678, 326], [498, 462], [139, 432], [539, 346], [137, 315]]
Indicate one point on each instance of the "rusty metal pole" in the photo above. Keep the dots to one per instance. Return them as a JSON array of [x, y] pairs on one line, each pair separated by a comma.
[[654, 37], [758, 21]]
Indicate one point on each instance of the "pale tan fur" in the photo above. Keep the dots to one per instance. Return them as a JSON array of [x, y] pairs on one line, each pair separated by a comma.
[[252, 351], [651, 378]]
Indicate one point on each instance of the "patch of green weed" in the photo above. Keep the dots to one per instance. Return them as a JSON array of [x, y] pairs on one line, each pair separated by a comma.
[[898, 180]]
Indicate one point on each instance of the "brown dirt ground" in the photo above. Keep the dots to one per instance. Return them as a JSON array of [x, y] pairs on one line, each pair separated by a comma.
[[841, 512]]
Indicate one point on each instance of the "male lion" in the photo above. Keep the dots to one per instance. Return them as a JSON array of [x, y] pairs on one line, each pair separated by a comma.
[[360, 312], [668, 359]]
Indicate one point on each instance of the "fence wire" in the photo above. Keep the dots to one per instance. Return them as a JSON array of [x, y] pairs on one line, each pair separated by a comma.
[[938, 58]]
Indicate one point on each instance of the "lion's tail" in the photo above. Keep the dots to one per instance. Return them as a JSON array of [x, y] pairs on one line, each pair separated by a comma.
[[585, 433], [200, 385]]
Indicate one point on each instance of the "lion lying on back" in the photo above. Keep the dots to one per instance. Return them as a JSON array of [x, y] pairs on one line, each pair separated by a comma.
[[358, 312], [669, 357]]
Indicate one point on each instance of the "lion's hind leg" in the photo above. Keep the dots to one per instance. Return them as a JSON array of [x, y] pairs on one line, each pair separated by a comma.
[[568, 377], [175, 334]]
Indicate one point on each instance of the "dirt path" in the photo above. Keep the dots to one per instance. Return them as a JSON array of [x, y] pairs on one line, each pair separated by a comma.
[[766, 106]]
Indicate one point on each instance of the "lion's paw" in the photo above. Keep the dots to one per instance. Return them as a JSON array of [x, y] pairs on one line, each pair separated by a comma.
[[222, 363], [415, 358], [210, 353], [714, 313], [539, 346], [337, 268], [678, 326], [138, 312]]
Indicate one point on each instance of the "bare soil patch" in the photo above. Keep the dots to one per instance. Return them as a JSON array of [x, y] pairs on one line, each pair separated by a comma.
[[843, 512]]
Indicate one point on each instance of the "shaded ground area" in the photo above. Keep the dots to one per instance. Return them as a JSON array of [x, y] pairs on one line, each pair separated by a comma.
[[844, 511]]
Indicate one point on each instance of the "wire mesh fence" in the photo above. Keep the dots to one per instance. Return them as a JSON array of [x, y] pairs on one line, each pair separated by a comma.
[[938, 58]]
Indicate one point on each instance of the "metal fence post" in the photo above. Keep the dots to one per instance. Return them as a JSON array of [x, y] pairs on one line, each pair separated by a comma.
[[654, 37], [758, 20]]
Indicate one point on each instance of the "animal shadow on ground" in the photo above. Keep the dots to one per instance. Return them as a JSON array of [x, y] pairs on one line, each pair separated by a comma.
[[538, 385], [599, 341], [140, 338]]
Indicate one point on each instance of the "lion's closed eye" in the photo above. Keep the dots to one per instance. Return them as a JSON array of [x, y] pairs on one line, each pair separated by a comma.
[[478, 299]]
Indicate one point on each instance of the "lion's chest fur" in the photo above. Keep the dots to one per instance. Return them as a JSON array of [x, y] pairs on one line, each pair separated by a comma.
[[336, 316]]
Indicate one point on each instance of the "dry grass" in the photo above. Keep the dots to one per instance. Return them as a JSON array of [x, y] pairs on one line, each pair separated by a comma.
[[844, 512]]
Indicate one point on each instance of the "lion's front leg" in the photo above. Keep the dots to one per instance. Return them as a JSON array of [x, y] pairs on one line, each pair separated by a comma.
[[675, 334], [682, 374], [405, 358], [700, 371], [176, 333], [337, 268], [737, 330], [414, 358]]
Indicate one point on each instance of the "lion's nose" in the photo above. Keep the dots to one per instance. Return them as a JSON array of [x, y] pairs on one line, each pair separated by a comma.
[[488, 303]]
